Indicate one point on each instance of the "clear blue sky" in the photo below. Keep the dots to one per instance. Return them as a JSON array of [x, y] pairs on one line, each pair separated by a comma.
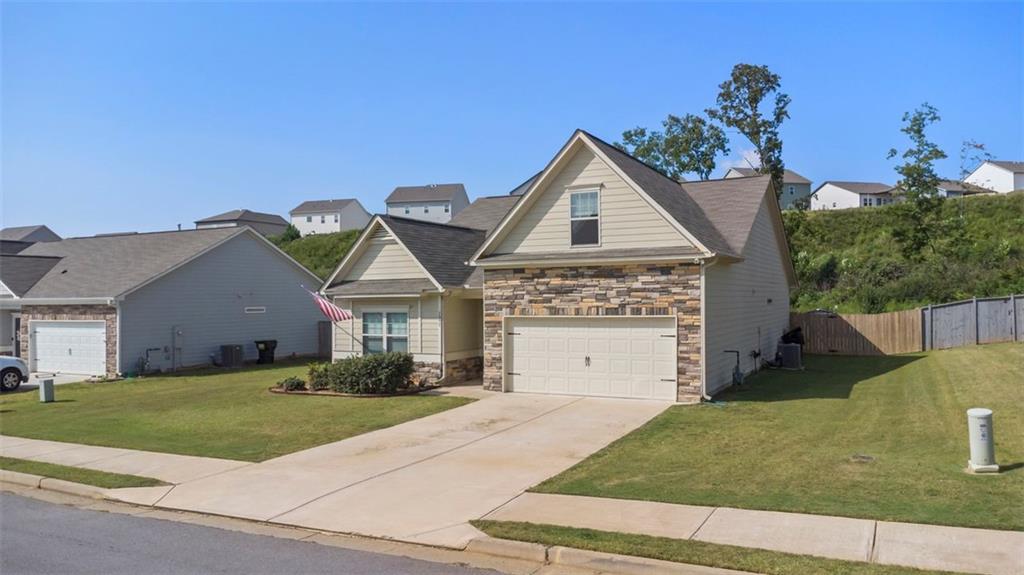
[[139, 117]]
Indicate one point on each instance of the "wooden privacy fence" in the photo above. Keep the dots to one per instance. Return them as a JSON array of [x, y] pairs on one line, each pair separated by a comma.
[[968, 322], [860, 334]]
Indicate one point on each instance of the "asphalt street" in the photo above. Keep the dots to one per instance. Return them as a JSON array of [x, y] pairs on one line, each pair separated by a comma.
[[41, 537]]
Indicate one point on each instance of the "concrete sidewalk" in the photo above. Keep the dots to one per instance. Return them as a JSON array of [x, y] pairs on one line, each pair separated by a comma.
[[166, 467], [936, 547]]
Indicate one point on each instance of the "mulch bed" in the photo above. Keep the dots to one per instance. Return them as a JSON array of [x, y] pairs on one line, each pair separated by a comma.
[[410, 391]]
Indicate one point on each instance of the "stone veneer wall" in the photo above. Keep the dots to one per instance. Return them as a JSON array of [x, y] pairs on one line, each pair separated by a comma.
[[465, 369], [427, 372], [106, 313], [613, 290]]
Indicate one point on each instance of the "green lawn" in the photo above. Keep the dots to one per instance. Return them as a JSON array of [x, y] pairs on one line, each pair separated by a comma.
[[77, 474], [787, 441], [226, 414], [686, 551]]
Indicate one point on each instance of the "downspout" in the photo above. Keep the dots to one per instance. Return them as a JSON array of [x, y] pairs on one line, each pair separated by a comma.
[[440, 326], [704, 266]]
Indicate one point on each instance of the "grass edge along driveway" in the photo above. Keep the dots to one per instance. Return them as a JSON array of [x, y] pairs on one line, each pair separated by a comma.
[[77, 474], [211, 413], [687, 551], [869, 437]]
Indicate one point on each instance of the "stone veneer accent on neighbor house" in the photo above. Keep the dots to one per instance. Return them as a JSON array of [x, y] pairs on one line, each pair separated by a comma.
[[106, 313], [611, 290]]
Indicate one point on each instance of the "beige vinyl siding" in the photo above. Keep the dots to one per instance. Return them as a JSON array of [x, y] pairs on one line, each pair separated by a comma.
[[384, 259], [463, 327], [627, 220], [424, 324], [737, 313]]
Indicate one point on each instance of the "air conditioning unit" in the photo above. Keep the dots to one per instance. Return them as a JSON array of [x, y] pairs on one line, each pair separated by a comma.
[[231, 356], [791, 355]]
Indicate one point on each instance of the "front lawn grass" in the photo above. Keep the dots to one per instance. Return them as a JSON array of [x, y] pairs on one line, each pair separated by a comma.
[[686, 551], [77, 474], [872, 437], [213, 413]]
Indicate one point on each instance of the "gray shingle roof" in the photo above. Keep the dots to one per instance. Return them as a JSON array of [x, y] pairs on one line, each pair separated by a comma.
[[321, 206], [13, 246], [244, 216], [20, 233], [732, 204], [1012, 166], [962, 187], [109, 266], [433, 192], [381, 287], [858, 187], [19, 273], [484, 213], [521, 188], [670, 195], [440, 248], [788, 176]]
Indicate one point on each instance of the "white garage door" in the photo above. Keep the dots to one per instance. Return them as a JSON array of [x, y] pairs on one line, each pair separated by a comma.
[[78, 347], [611, 357]]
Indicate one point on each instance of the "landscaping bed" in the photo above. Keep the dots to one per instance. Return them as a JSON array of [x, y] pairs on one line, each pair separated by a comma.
[[212, 413], [872, 437]]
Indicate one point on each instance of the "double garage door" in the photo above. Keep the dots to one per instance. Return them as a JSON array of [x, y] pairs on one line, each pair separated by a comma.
[[77, 347], [631, 357]]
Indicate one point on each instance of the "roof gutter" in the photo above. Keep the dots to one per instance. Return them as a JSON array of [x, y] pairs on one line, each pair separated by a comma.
[[68, 301]]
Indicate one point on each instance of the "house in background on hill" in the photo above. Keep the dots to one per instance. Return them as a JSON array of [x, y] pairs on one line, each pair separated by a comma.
[[329, 216], [832, 195], [266, 224], [29, 234], [955, 189], [998, 176], [794, 186], [432, 203]]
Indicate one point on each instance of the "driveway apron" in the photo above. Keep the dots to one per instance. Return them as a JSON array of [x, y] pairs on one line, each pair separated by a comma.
[[422, 480]]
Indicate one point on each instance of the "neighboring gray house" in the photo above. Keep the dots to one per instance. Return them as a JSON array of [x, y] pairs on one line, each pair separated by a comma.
[[17, 275], [102, 305], [794, 186], [329, 216], [434, 203], [28, 234], [955, 189], [266, 224]]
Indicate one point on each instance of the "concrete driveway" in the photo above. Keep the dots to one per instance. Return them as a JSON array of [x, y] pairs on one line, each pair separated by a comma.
[[423, 480]]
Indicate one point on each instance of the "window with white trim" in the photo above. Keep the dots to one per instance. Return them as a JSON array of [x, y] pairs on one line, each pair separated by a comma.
[[323, 219], [447, 208], [791, 188], [406, 209], [584, 218], [309, 219], [335, 218], [385, 331]]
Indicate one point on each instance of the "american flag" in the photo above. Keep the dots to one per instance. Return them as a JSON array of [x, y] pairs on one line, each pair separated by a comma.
[[333, 312]]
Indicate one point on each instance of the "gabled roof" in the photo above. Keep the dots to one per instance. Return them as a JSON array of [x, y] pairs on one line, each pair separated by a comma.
[[110, 266], [13, 246], [869, 188], [732, 204], [788, 176], [244, 215], [321, 206], [1015, 167], [521, 188], [19, 273], [484, 213], [432, 192], [23, 233], [440, 248], [962, 187]]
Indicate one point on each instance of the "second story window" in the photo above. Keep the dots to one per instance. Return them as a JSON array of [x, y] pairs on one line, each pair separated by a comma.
[[323, 219], [335, 218], [447, 208], [791, 190], [406, 210], [584, 218], [426, 209], [309, 219]]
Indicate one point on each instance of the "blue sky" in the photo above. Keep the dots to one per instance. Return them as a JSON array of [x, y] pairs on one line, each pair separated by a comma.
[[121, 117]]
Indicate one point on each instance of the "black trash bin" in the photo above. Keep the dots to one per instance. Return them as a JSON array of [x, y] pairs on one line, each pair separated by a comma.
[[266, 349]]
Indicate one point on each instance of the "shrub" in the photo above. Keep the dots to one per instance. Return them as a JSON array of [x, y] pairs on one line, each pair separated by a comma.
[[372, 374], [292, 384], [319, 376]]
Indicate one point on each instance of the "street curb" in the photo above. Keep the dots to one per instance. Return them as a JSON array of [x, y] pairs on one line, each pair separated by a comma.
[[589, 560], [508, 548], [51, 484], [21, 479]]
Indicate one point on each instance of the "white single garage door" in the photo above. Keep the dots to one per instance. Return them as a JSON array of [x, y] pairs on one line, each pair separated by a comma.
[[611, 357], [78, 347]]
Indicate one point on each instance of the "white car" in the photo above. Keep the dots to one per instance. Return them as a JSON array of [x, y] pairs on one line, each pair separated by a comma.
[[13, 372]]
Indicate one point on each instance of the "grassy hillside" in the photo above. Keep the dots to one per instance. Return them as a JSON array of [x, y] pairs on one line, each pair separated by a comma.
[[320, 253], [848, 260]]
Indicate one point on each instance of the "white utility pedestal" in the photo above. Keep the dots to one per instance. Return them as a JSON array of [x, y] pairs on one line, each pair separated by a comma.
[[46, 390], [983, 450]]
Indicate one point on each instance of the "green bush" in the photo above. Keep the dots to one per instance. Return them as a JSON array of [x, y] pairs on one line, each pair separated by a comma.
[[292, 384], [369, 375], [319, 376]]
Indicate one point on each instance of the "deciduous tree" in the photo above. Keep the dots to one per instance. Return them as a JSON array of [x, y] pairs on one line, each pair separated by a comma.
[[688, 144]]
